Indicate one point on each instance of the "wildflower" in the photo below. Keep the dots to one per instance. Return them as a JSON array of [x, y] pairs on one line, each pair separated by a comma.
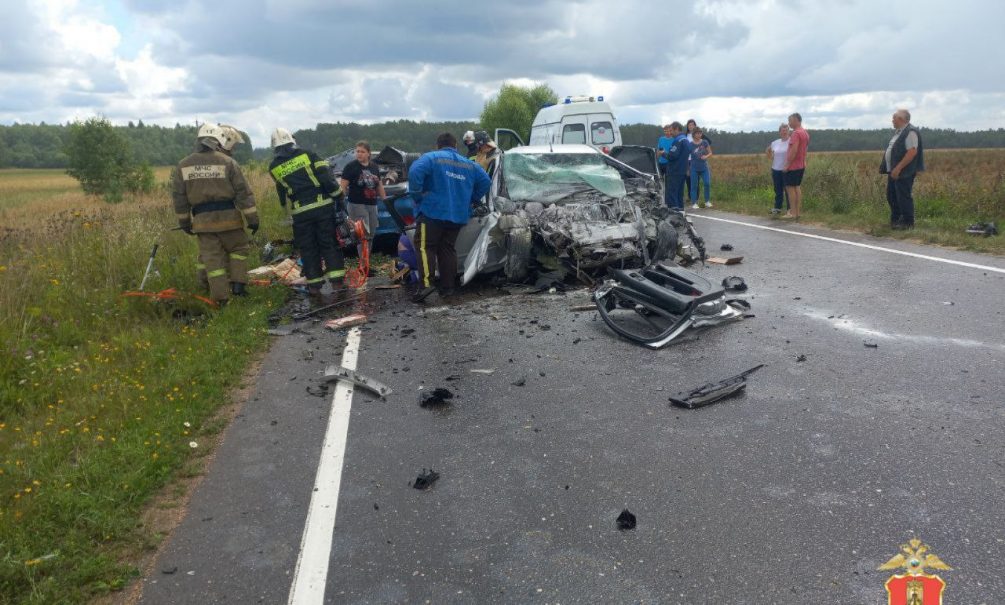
[[185, 424], [193, 444]]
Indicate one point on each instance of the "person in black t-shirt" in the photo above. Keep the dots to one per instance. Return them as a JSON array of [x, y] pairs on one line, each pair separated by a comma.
[[361, 179]]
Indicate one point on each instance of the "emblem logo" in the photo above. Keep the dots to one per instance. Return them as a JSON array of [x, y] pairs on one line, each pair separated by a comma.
[[914, 587]]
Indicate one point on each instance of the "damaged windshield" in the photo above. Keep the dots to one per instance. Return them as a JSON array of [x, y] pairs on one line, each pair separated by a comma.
[[548, 178]]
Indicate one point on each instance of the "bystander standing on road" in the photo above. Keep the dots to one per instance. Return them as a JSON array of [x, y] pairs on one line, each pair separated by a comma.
[[777, 151], [676, 155], [663, 145], [444, 185], [361, 180], [795, 165], [903, 160], [701, 173]]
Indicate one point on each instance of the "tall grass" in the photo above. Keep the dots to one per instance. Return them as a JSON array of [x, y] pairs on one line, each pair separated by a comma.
[[845, 190], [101, 395]]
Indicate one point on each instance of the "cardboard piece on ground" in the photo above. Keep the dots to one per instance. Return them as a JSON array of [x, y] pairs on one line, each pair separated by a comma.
[[727, 260], [345, 322]]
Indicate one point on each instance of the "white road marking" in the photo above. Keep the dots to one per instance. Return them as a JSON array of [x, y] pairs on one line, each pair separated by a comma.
[[850, 325], [311, 574], [860, 245]]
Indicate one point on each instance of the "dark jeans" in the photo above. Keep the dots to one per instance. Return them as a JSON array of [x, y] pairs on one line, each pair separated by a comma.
[[675, 191], [898, 195], [435, 248], [780, 193]]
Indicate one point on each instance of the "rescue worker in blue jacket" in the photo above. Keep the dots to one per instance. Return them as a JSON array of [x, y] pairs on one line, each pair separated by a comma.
[[445, 185], [676, 156], [303, 179]]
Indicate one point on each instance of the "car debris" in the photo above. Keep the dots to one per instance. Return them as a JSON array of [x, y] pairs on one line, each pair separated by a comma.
[[438, 397], [487, 372], [655, 305], [426, 479], [581, 308], [985, 229], [871, 345], [334, 372], [626, 520], [726, 247], [713, 391], [725, 260], [734, 284], [346, 322], [800, 359]]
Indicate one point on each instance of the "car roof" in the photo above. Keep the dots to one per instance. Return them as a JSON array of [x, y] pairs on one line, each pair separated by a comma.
[[563, 148]]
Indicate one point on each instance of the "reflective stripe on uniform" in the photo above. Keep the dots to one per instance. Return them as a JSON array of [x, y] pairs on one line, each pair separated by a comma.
[[200, 267], [216, 273], [236, 256], [422, 254], [336, 273], [321, 164], [318, 204], [299, 162]]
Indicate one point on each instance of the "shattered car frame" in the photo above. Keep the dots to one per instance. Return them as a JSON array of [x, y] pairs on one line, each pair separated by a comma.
[[572, 208]]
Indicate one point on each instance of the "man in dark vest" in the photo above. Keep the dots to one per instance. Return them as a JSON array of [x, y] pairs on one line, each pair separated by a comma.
[[903, 160]]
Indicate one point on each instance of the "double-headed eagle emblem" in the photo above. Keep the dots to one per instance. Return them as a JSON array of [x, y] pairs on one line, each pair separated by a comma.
[[914, 557]]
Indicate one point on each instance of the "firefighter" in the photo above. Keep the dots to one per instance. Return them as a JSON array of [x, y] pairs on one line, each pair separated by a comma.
[[232, 138], [488, 152], [469, 142], [212, 200], [303, 179]]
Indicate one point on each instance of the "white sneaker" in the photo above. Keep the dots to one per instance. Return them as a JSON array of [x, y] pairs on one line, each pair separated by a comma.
[[694, 206], [708, 204]]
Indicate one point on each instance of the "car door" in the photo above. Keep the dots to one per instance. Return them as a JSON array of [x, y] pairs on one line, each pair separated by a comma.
[[640, 158]]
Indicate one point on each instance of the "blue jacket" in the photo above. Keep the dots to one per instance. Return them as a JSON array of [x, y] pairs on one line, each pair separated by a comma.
[[677, 157], [664, 143], [444, 185]]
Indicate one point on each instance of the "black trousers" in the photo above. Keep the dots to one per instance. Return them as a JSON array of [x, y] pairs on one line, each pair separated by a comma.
[[314, 236], [435, 242], [778, 180], [901, 201]]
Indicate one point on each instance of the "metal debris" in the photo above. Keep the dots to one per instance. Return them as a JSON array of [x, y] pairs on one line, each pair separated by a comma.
[[713, 391], [426, 479], [333, 372], [626, 520], [436, 398]]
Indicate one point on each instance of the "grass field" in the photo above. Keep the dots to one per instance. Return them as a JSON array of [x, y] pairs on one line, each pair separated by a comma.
[[845, 191], [106, 400]]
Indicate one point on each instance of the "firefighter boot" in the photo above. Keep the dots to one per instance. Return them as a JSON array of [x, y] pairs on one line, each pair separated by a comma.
[[238, 289]]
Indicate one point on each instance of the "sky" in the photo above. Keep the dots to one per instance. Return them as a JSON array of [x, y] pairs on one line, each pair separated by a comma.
[[730, 64]]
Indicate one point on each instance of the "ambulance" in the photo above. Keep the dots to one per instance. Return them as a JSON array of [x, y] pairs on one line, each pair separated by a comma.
[[577, 120]]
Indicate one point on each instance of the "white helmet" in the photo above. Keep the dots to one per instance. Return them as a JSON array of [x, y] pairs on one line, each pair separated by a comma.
[[469, 136], [210, 133], [280, 137], [232, 135]]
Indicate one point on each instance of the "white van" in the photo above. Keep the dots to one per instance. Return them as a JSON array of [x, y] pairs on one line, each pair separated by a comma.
[[582, 120]]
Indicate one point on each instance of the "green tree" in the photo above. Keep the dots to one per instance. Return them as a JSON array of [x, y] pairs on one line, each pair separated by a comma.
[[515, 107], [100, 158]]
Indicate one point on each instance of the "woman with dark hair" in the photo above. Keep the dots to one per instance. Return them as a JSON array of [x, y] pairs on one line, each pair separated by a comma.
[[361, 181], [700, 172]]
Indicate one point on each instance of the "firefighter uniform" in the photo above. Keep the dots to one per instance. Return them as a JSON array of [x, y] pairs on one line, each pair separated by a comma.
[[303, 179], [212, 200]]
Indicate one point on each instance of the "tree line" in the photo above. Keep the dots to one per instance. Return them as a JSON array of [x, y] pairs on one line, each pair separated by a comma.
[[44, 145]]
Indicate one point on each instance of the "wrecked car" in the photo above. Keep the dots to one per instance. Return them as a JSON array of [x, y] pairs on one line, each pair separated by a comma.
[[572, 209]]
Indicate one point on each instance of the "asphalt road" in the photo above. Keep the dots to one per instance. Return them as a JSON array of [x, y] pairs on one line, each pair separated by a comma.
[[794, 492]]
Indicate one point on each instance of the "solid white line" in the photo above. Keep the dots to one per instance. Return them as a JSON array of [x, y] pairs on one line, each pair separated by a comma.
[[860, 245], [311, 574]]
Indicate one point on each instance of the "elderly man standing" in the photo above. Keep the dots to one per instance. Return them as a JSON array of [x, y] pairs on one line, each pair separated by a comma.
[[903, 160]]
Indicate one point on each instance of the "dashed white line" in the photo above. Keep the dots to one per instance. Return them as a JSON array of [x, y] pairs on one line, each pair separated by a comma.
[[311, 574], [846, 242]]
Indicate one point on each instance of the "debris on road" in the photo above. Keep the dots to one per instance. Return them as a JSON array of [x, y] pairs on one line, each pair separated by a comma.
[[581, 308], [426, 479], [487, 372], [437, 398], [985, 229], [284, 331], [726, 260], [726, 247], [871, 345], [345, 322], [626, 520], [169, 570], [519, 382], [800, 359], [713, 391], [734, 284], [334, 372], [655, 305]]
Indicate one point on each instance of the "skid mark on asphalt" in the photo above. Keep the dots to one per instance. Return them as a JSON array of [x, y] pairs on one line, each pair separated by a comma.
[[311, 573], [850, 243], [854, 327]]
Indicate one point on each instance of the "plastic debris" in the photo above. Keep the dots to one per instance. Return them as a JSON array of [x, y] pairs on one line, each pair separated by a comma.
[[713, 391], [985, 229], [871, 345], [345, 322], [726, 247], [734, 284], [626, 520], [800, 359], [480, 371], [334, 372], [436, 398], [426, 479]]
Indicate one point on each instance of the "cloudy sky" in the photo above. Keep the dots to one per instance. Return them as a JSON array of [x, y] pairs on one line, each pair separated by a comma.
[[732, 64]]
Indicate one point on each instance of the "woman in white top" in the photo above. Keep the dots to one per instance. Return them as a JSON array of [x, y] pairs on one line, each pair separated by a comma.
[[776, 151]]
